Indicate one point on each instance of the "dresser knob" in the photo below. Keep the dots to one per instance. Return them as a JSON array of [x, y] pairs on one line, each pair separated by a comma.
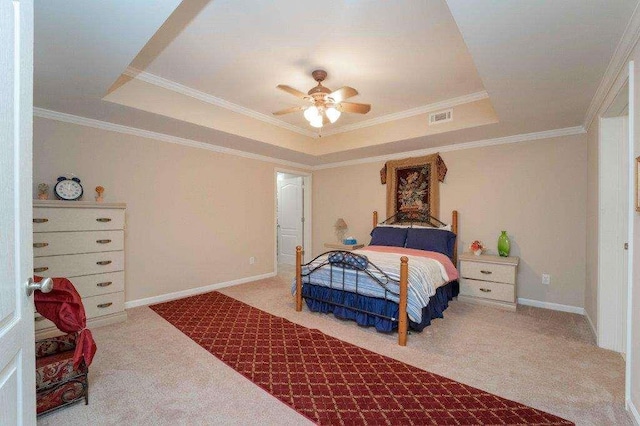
[[40, 220], [485, 290], [105, 305], [41, 269], [103, 219], [40, 245], [103, 262], [486, 272], [105, 284], [36, 319], [103, 241]]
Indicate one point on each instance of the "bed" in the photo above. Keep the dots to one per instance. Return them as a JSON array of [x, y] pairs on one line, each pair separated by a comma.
[[405, 278]]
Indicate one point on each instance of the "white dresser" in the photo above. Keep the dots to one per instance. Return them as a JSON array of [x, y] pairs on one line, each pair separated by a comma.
[[84, 242], [491, 280]]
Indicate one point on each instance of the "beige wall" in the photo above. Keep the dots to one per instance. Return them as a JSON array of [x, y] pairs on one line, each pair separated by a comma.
[[591, 287], [194, 217], [534, 190]]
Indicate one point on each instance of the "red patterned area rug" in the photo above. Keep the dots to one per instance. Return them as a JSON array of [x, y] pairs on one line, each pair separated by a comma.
[[330, 381]]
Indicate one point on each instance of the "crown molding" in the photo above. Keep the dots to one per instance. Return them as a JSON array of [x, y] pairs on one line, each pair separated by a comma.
[[90, 122], [567, 131], [205, 97], [619, 59], [448, 103], [210, 99]]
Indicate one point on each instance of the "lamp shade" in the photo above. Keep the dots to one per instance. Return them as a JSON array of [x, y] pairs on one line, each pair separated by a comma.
[[332, 114], [311, 113], [340, 224], [316, 122]]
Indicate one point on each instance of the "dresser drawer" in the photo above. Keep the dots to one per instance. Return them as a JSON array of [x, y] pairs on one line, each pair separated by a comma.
[[93, 285], [104, 304], [73, 265], [49, 219], [56, 243], [488, 271], [488, 290]]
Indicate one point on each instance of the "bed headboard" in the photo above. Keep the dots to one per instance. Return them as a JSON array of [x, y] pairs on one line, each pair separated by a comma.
[[427, 219]]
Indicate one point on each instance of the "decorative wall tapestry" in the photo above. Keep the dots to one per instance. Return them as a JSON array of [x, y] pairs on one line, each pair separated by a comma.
[[413, 186]]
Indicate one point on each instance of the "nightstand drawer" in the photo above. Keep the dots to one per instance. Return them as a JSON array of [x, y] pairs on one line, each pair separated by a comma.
[[488, 290], [488, 271]]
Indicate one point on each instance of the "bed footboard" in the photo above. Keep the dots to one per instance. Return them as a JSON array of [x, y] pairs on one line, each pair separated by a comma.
[[403, 323]]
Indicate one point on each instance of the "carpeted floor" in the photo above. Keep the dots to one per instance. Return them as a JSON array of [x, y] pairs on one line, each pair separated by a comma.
[[147, 372], [330, 381]]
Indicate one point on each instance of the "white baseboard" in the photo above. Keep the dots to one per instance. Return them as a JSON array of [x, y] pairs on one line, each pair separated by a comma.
[[193, 291], [553, 306], [633, 411], [593, 327]]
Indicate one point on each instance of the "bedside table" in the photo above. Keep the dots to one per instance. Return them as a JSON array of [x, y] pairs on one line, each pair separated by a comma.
[[489, 280], [348, 247]]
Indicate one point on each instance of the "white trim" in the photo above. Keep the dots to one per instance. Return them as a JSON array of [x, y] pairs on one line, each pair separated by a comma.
[[567, 131], [633, 411], [193, 291], [83, 121], [618, 61], [447, 103], [213, 100], [593, 327], [629, 346], [550, 305]]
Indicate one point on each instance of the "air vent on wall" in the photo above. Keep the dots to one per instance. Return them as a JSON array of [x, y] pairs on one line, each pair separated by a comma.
[[441, 116]]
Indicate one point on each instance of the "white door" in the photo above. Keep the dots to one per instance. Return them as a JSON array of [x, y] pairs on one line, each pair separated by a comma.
[[17, 359], [613, 234], [290, 218]]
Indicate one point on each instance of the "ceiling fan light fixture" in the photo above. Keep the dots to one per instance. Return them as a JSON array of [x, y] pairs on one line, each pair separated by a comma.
[[316, 121], [332, 114], [311, 114]]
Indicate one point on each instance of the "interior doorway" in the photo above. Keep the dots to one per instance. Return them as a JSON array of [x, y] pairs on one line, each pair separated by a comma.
[[613, 233], [293, 217]]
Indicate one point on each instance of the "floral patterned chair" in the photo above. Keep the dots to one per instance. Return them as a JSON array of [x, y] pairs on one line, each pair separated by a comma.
[[58, 382]]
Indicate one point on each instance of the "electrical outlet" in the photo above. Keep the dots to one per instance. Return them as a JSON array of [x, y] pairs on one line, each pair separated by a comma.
[[252, 260], [546, 279]]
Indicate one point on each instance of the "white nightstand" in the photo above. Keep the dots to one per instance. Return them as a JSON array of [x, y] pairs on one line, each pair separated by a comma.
[[347, 247], [490, 280]]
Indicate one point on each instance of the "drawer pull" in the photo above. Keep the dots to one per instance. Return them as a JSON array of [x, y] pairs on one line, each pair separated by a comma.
[[103, 241], [36, 319], [41, 269], [105, 284], [40, 220], [103, 219], [103, 262], [485, 290], [486, 272], [40, 245], [105, 305]]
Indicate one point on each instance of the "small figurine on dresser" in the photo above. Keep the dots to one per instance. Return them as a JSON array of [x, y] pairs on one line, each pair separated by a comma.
[[99, 191], [43, 191]]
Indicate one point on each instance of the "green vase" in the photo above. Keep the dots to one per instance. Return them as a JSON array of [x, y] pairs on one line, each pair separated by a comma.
[[504, 245]]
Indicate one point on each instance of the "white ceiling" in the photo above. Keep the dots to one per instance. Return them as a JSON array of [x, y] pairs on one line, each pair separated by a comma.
[[540, 61], [399, 55]]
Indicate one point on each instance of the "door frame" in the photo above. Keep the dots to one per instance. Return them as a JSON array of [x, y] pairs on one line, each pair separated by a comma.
[[306, 209]]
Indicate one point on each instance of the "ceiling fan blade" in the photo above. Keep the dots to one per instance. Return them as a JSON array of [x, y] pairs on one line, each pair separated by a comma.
[[294, 92], [342, 94], [353, 107], [289, 110]]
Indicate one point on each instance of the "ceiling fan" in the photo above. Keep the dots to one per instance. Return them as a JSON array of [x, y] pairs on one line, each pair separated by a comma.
[[326, 106]]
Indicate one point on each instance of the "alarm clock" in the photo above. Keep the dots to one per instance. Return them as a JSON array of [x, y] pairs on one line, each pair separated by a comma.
[[68, 189]]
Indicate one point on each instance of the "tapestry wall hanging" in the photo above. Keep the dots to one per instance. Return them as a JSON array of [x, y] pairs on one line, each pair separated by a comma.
[[413, 186]]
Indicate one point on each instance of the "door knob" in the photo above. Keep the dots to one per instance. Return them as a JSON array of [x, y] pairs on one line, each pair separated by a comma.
[[45, 286]]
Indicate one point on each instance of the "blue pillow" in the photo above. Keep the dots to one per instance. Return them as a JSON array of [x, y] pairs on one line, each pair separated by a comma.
[[388, 236], [349, 260], [431, 239]]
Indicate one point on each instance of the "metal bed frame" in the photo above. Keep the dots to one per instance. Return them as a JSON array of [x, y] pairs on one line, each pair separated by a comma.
[[339, 260]]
